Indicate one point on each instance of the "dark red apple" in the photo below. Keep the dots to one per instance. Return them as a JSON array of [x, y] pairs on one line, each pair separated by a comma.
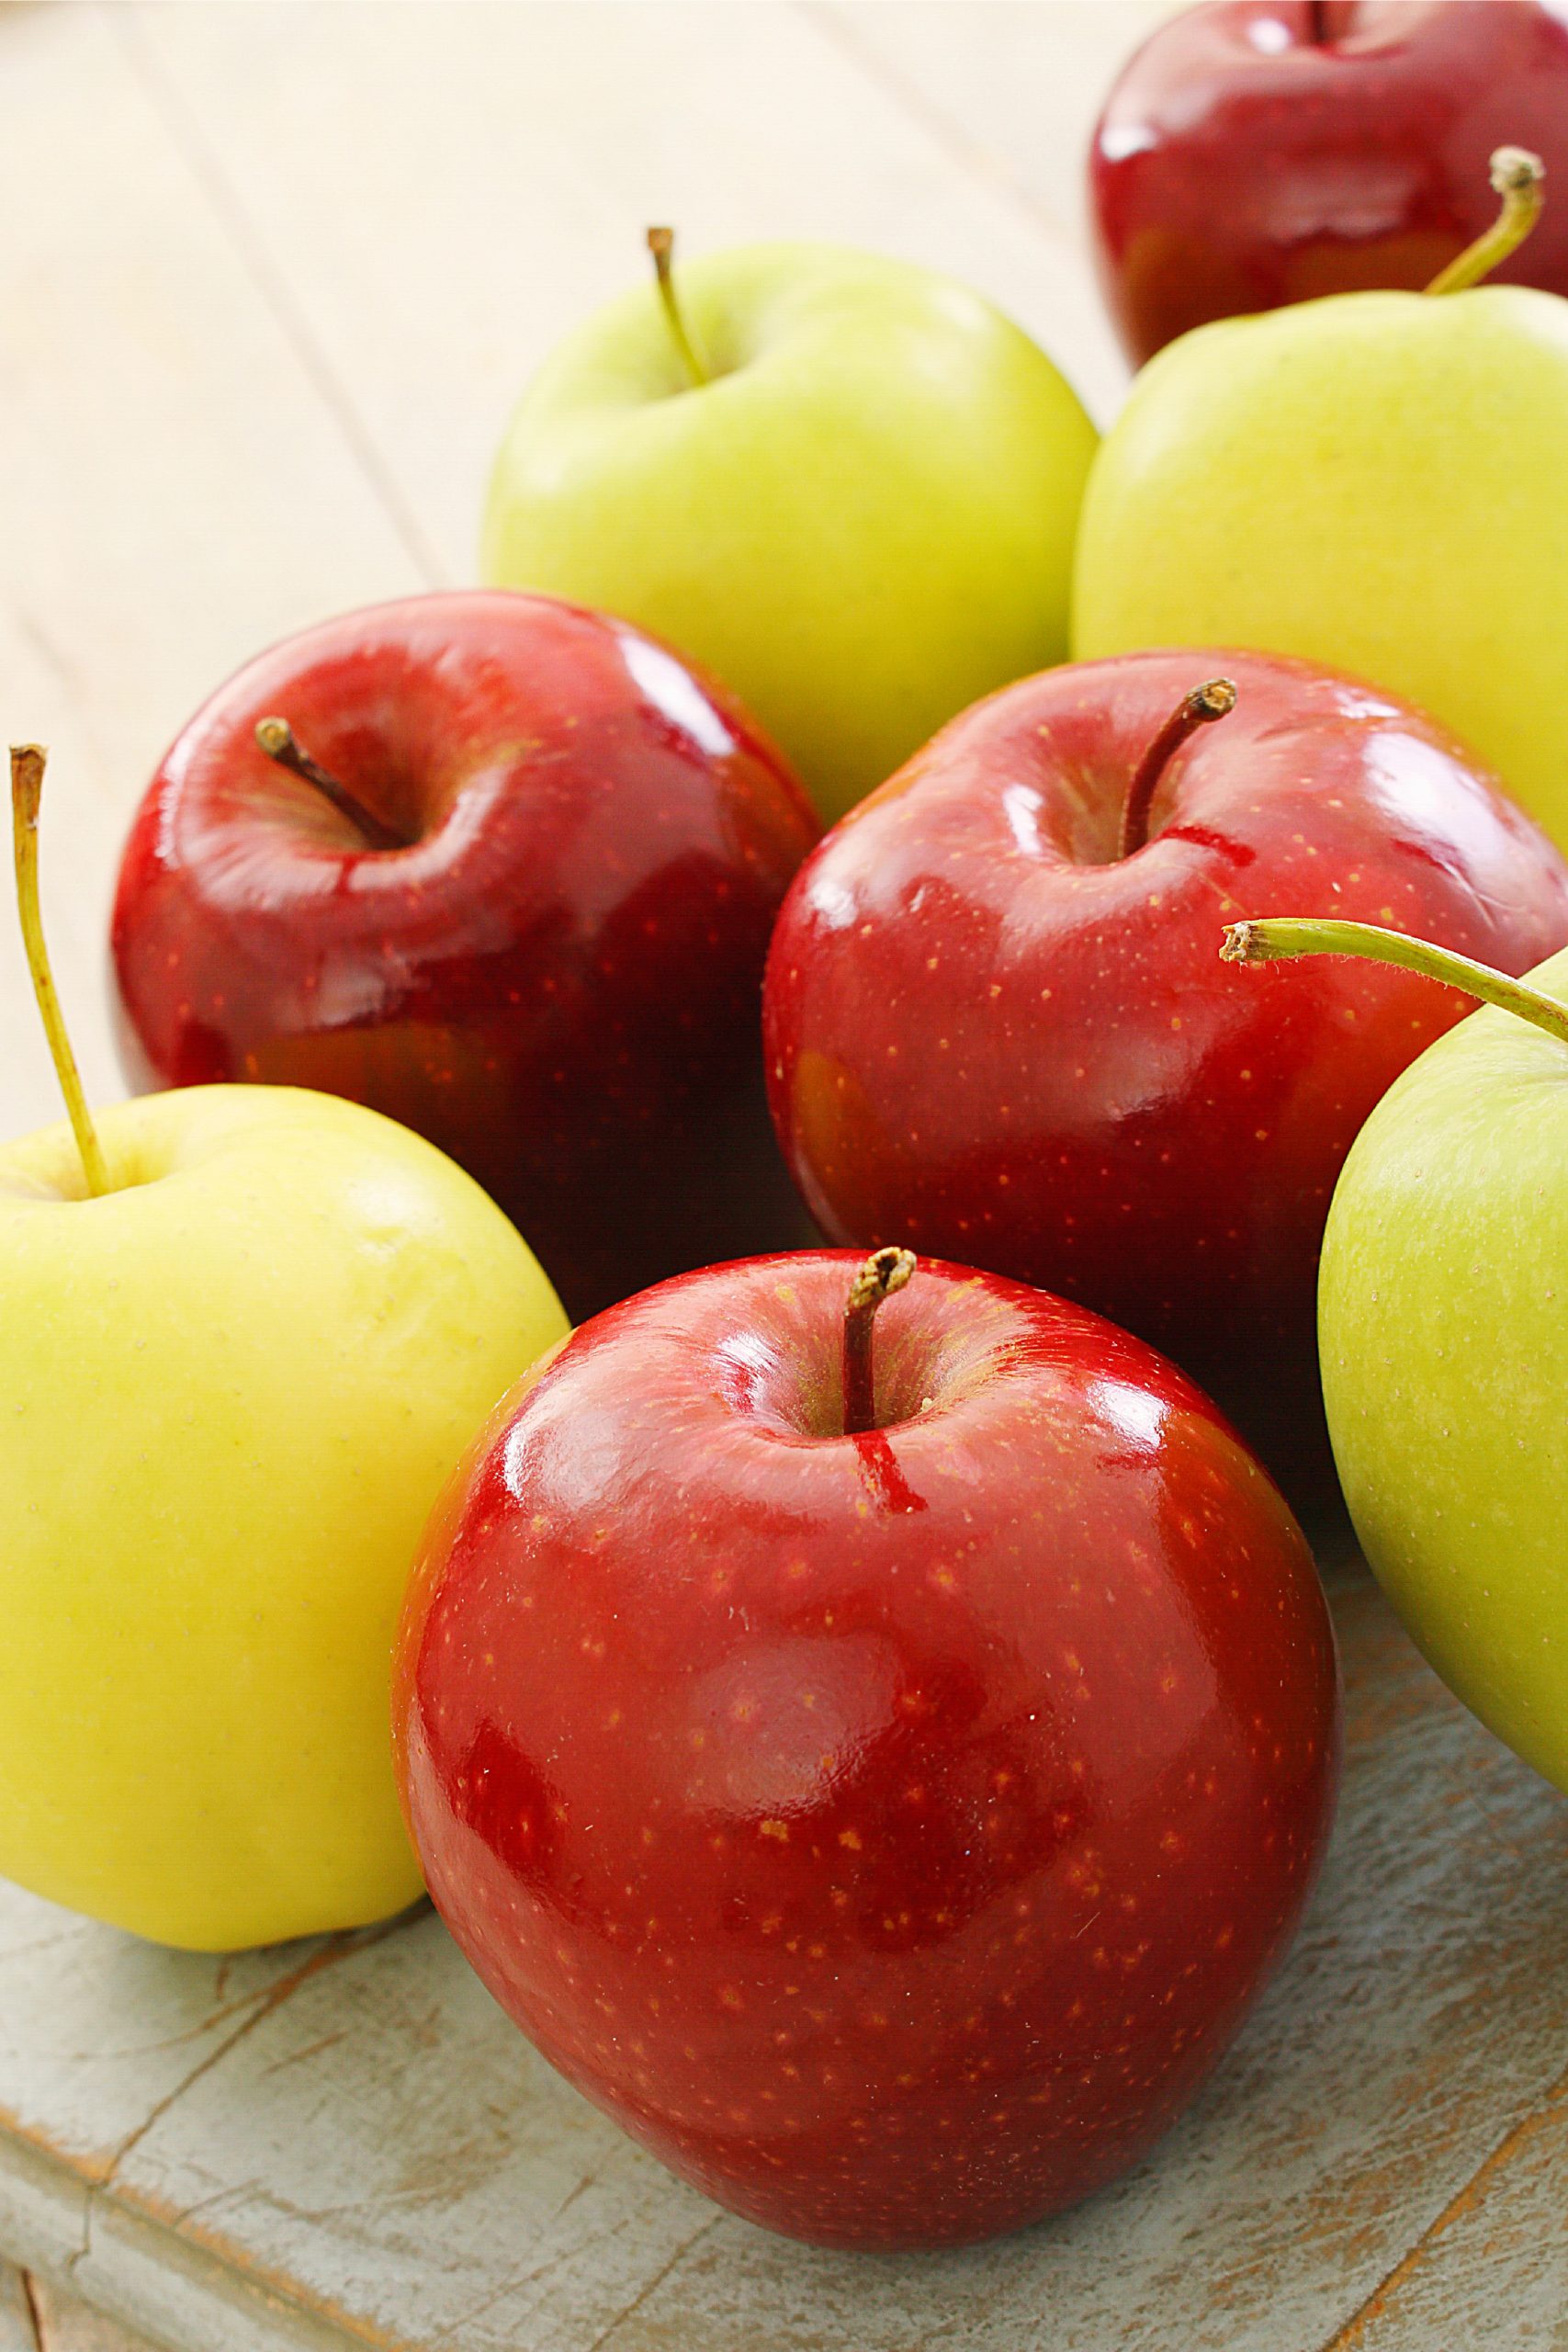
[[1260, 152], [993, 1037], [526, 913], [891, 1829]]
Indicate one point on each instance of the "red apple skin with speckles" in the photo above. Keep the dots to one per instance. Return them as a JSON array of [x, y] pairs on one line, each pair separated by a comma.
[[990, 1039], [1242, 162], [890, 1831], [557, 981]]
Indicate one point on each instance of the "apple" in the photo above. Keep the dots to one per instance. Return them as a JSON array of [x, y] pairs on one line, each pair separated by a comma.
[[507, 876], [889, 1825], [995, 1026], [1376, 482], [246, 1334], [1263, 152], [1445, 1355], [848, 486]]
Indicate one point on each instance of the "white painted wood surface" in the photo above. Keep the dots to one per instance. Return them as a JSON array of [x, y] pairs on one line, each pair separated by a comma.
[[272, 272]]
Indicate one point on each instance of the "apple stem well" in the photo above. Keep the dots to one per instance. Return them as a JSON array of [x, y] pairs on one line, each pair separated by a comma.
[[1211, 700], [1286, 935], [278, 740], [1520, 179], [662, 245], [28, 762], [884, 1272]]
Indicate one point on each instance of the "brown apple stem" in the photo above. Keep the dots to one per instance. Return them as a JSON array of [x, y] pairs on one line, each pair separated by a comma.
[[1209, 701], [1317, 23], [1286, 935], [662, 245], [884, 1272], [278, 740], [1520, 179], [26, 790]]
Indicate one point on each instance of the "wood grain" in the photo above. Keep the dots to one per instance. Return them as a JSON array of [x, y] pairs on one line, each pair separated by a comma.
[[273, 276], [510, 157], [175, 493], [1013, 86], [46, 2319]]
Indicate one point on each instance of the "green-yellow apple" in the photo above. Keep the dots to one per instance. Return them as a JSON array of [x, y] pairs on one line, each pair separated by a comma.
[[1443, 1328], [850, 488], [241, 1348], [1376, 482]]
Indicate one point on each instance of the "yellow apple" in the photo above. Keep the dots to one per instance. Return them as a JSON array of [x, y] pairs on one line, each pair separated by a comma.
[[231, 1388], [1378, 482], [856, 508]]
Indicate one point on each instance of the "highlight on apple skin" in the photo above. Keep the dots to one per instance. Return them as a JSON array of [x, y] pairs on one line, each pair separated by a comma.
[[247, 1331], [1376, 482], [506, 871], [991, 1033], [1257, 153], [889, 1828], [848, 488]]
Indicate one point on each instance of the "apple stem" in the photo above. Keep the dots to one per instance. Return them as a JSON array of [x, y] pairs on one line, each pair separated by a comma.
[[1285, 936], [1520, 179], [1209, 701], [26, 790], [1317, 23], [884, 1272], [662, 245], [278, 740]]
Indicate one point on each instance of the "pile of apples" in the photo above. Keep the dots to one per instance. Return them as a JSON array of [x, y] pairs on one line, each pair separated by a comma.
[[863, 1709]]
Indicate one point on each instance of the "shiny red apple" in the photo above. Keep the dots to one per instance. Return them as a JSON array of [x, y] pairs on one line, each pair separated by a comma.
[[522, 908], [1255, 152], [889, 1830], [992, 1035]]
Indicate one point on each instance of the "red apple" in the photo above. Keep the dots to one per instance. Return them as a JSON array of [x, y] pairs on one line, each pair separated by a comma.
[[890, 1830], [525, 913], [1261, 151], [992, 1036]]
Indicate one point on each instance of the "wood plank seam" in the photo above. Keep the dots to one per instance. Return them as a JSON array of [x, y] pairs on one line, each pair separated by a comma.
[[265, 2005], [1463, 2201], [966, 154], [188, 136]]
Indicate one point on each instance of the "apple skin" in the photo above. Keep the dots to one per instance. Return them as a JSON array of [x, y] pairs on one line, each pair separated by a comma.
[[864, 521], [1240, 164], [988, 1035], [558, 983], [1445, 1364], [1375, 481], [235, 1385], [888, 1831]]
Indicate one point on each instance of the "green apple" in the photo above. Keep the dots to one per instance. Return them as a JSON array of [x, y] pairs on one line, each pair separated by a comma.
[[850, 491], [241, 1349], [1375, 481], [1443, 1330]]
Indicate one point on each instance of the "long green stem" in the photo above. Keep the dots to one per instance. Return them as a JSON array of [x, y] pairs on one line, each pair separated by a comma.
[[1520, 179], [27, 791], [662, 245], [1286, 935]]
